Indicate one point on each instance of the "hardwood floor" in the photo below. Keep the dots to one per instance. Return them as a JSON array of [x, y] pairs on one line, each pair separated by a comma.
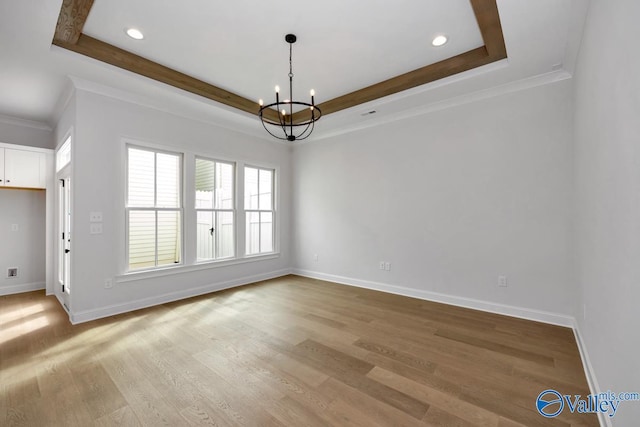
[[290, 351]]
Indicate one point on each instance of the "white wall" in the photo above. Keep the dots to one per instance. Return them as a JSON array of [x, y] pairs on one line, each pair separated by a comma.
[[24, 248], [607, 185], [22, 132], [98, 162], [451, 199]]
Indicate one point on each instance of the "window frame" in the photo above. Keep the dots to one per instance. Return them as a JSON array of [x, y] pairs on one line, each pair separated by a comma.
[[156, 209], [188, 224], [273, 210], [215, 211]]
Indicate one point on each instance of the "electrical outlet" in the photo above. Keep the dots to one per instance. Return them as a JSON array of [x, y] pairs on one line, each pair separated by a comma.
[[12, 272], [387, 266], [95, 217], [95, 228], [15, 227], [502, 281], [315, 257], [108, 283], [381, 265]]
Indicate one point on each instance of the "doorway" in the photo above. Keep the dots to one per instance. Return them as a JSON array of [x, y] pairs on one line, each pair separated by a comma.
[[63, 227], [64, 239]]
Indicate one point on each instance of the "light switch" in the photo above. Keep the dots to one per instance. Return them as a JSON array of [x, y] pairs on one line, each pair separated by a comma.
[[15, 227]]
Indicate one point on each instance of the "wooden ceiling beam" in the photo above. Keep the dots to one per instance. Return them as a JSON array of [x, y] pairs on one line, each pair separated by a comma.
[[488, 18], [71, 20]]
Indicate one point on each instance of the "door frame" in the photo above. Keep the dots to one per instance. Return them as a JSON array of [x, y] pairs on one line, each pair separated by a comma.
[[63, 283]]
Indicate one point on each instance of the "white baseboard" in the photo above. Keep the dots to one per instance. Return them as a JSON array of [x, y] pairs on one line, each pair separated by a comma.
[[589, 372], [18, 289], [98, 313], [507, 310]]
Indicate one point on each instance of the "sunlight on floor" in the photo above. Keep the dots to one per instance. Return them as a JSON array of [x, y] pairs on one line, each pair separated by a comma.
[[25, 327], [20, 313]]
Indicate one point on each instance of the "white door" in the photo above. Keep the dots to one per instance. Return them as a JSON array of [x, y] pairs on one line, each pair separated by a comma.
[[64, 239]]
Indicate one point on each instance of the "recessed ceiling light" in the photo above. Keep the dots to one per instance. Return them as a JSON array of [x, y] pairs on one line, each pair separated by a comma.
[[134, 33], [439, 40]]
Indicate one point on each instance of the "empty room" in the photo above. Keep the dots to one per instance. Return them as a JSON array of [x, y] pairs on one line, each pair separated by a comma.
[[269, 213]]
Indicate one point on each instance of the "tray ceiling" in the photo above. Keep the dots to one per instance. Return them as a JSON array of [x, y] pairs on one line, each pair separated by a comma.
[[235, 53]]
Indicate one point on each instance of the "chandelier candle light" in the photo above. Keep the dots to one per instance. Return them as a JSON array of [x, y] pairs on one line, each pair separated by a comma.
[[290, 126]]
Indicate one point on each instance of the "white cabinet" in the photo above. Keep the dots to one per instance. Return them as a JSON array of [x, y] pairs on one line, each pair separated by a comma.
[[22, 168]]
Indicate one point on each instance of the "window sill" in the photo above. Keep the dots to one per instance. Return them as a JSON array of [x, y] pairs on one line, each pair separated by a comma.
[[206, 265]]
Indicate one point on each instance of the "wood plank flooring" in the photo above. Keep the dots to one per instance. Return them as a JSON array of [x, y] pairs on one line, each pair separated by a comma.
[[286, 352]]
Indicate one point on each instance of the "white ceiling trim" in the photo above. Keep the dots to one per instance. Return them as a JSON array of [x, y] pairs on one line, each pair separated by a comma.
[[25, 123]]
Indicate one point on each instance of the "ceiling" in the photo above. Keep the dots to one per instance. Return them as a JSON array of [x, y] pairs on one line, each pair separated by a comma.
[[339, 49], [239, 47]]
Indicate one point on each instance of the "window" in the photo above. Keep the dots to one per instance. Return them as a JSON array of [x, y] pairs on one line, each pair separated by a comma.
[[154, 208], [160, 231], [63, 156], [259, 209], [215, 210]]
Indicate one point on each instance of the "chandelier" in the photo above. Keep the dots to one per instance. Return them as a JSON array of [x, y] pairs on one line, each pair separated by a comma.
[[289, 126]]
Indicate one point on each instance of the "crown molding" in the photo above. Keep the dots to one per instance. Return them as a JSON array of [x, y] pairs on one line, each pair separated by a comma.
[[33, 124]]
